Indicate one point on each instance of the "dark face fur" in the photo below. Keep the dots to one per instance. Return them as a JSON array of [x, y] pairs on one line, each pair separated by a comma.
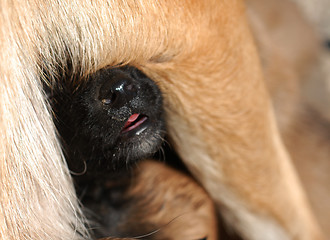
[[112, 120]]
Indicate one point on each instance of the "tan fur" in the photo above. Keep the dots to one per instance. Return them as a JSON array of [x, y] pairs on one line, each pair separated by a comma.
[[220, 115], [173, 205]]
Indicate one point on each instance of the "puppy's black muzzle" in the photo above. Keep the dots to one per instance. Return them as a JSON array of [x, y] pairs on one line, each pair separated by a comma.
[[112, 120]]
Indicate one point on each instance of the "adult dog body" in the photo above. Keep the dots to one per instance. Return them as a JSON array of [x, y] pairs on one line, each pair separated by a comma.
[[220, 116]]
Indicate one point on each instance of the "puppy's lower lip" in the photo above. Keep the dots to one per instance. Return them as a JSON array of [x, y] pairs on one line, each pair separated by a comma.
[[133, 122]]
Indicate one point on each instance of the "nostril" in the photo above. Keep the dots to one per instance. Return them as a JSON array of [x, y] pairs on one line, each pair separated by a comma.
[[110, 99], [117, 91], [131, 90], [130, 87]]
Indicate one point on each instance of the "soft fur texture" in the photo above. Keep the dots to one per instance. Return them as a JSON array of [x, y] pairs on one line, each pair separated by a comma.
[[219, 111]]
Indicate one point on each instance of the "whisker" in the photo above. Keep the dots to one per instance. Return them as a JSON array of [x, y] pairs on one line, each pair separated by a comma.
[[80, 173], [159, 229]]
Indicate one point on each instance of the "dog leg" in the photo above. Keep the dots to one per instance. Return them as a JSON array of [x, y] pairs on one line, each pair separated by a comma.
[[221, 120]]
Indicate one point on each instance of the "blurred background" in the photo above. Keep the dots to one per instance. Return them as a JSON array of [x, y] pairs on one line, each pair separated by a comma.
[[318, 12]]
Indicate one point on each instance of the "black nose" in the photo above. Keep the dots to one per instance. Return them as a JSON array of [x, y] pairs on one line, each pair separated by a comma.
[[115, 92]]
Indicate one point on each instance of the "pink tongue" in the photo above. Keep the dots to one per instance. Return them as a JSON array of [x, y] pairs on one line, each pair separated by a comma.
[[131, 119]]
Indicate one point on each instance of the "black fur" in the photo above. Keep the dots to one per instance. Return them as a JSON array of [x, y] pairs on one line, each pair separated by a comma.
[[90, 119]]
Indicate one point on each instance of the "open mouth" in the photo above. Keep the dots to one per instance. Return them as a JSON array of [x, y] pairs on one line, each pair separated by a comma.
[[134, 122]]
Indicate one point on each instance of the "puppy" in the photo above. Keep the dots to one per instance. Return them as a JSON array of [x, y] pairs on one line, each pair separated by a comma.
[[219, 112]]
